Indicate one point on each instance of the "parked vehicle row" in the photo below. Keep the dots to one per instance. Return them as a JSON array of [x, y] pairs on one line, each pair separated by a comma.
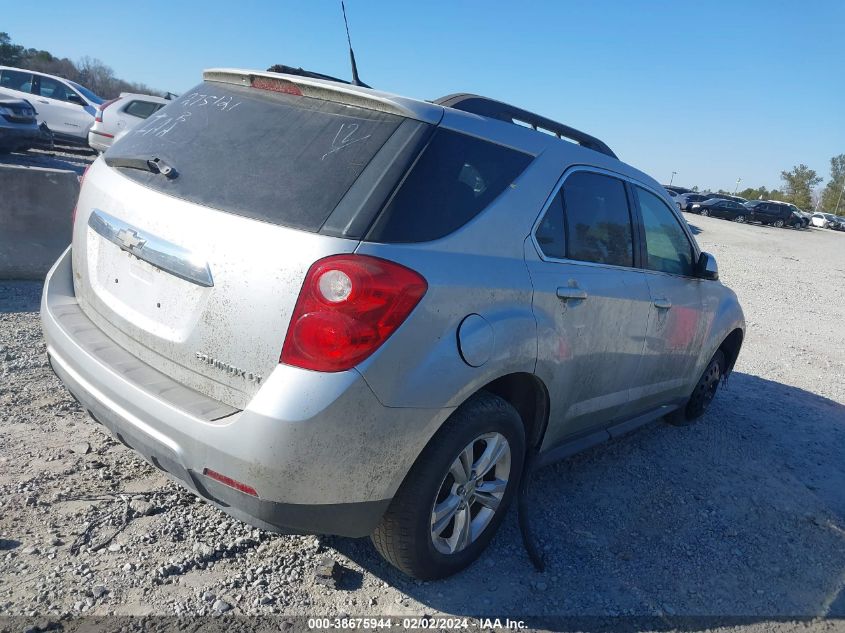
[[72, 113], [769, 212]]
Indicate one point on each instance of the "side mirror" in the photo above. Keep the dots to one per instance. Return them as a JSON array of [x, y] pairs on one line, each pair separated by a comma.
[[707, 267]]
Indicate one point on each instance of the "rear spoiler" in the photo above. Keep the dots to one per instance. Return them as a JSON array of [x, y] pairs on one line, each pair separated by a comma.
[[328, 91]]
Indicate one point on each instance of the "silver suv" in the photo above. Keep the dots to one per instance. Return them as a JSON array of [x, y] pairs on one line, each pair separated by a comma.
[[327, 309]]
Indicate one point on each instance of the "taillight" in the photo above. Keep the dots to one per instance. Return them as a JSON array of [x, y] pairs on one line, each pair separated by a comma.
[[81, 180], [98, 117], [348, 306]]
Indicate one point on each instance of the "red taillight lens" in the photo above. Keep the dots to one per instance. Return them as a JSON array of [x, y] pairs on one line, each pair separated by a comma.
[[81, 180], [98, 117], [276, 85], [348, 306]]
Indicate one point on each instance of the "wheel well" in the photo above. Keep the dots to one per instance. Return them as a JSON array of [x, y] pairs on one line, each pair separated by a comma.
[[730, 347], [529, 396]]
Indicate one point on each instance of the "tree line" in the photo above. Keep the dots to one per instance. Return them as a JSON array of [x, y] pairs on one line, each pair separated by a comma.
[[89, 72]]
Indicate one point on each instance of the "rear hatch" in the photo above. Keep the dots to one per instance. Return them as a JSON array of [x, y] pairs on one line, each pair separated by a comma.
[[195, 231]]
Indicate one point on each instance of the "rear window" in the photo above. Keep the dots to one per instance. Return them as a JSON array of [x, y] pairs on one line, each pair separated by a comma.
[[142, 109], [454, 179], [270, 156]]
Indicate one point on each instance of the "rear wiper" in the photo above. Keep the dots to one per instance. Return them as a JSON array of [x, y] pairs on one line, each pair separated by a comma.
[[154, 165]]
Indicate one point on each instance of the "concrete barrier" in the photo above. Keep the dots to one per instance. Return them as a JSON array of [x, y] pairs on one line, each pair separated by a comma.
[[36, 205]]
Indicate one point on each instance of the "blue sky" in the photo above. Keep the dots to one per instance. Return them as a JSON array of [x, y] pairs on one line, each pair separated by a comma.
[[714, 90]]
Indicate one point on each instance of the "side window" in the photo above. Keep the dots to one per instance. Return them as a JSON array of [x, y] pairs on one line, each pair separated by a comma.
[[16, 80], [53, 89], [668, 248], [456, 178], [550, 231], [597, 220], [141, 109]]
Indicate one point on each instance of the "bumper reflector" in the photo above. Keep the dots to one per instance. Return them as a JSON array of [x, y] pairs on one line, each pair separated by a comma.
[[228, 481]]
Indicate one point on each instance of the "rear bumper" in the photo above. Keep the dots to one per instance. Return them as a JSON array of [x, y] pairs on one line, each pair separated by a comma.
[[322, 453], [99, 140]]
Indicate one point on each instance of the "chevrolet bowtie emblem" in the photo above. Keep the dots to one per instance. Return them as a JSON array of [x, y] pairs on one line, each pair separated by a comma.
[[130, 239]]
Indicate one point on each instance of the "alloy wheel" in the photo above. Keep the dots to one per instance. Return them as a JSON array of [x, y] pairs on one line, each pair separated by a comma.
[[740, 219], [470, 493]]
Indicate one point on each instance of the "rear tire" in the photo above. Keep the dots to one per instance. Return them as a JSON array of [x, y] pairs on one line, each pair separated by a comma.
[[408, 536], [705, 213], [778, 224], [740, 219], [703, 394]]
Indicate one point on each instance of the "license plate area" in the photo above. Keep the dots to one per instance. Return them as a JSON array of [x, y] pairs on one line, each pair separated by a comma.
[[144, 300]]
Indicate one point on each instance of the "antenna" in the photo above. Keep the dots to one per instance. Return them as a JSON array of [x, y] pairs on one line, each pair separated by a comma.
[[356, 81]]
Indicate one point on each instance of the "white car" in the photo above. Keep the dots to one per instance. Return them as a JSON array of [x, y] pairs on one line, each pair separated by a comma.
[[64, 106], [120, 115], [824, 220]]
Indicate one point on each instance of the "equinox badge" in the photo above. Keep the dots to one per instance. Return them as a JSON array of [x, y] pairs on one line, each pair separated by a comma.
[[229, 369]]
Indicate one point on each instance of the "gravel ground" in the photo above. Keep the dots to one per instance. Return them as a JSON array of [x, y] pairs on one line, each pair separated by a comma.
[[740, 514]]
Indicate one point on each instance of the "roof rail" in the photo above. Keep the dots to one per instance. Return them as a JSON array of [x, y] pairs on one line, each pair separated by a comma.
[[504, 112]]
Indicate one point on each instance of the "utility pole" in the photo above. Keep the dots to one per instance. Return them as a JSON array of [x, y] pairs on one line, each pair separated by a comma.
[[738, 180], [672, 178], [840, 200]]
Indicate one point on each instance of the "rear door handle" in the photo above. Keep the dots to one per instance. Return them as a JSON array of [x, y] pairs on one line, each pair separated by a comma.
[[568, 293], [662, 304]]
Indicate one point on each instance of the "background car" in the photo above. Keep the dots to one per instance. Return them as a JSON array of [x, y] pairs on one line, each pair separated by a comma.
[[119, 115], [841, 220], [686, 200], [797, 220], [818, 219], [64, 106], [727, 209], [825, 220], [727, 196], [773, 213], [18, 125], [805, 217], [677, 190]]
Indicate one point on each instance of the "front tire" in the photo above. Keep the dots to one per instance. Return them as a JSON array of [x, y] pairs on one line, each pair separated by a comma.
[[703, 394], [705, 213], [454, 498], [740, 219], [778, 224]]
